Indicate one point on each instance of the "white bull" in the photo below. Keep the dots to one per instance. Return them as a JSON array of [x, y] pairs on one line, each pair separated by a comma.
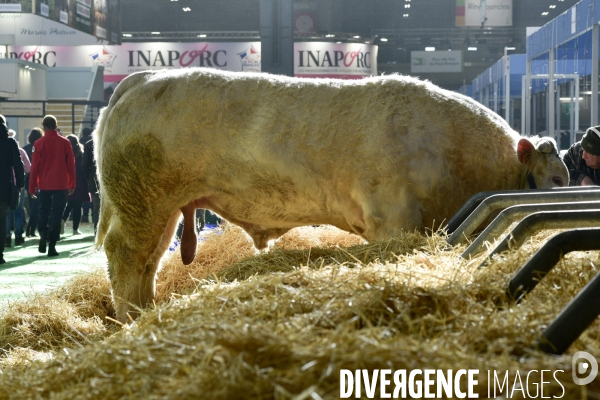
[[270, 153]]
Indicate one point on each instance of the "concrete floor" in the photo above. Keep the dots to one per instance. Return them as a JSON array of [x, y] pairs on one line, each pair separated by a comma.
[[27, 271]]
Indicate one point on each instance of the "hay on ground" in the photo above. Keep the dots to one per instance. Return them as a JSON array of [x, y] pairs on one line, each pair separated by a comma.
[[283, 324]]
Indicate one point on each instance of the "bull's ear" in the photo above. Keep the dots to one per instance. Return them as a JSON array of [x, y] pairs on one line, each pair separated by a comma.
[[525, 150]]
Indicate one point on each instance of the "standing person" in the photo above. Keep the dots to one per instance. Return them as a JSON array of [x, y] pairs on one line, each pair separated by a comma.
[[53, 172], [89, 170], [33, 203], [583, 159], [86, 136], [81, 193], [11, 170], [18, 213]]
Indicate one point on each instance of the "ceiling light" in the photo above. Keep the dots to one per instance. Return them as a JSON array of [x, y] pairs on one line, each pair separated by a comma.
[[173, 0], [405, 15], [155, 33], [552, 6], [429, 48], [338, 42], [127, 35], [186, 9], [472, 48], [545, 13], [407, 6], [384, 39], [202, 35], [330, 35], [356, 37]]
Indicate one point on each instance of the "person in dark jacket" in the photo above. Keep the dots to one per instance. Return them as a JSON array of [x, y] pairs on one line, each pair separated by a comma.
[[17, 216], [11, 172], [86, 136], [89, 170], [53, 172], [583, 159], [32, 205], [81, 193]]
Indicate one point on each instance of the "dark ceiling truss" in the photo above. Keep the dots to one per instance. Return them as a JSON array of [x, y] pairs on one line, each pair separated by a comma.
[[348, 37], [193, 35]]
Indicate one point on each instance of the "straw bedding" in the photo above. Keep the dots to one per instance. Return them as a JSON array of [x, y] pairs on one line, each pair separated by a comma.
[[281, 324]]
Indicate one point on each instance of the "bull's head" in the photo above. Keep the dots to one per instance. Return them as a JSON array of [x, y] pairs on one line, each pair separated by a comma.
[[541, 159]]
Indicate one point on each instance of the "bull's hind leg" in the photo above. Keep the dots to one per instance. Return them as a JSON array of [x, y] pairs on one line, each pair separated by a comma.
[[148, 287], [128, 248]]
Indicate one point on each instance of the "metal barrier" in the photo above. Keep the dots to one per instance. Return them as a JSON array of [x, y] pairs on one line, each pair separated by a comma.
[[573, 320], [545, 220], [513, 214], [577, 316], [542, 210], [72, 115], [471, 204], [509, 198], [538, 266]]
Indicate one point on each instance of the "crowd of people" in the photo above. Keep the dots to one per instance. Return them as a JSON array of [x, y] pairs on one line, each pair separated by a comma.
[[52, 177]]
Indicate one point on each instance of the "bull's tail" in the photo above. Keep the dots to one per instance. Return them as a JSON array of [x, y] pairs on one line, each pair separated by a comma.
[[99, 136]]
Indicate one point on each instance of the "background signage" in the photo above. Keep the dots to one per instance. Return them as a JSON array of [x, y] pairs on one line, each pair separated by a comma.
[[33, 29], [99, 18], [332, 60], [122, 60], [484, 13], [312, 59], [435, 61]]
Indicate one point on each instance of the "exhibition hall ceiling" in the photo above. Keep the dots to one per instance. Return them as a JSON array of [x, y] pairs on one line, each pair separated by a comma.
[[404, 25], [353, 15]]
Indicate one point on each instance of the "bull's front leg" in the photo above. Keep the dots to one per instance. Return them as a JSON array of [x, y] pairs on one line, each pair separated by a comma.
[[125, 269], [148, 286], [133, 253]]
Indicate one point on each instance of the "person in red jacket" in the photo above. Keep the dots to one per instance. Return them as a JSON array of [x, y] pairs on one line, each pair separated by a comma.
[[53, 173]]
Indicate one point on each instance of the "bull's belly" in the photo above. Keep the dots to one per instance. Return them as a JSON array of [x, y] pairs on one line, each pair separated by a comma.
[[266, 215]]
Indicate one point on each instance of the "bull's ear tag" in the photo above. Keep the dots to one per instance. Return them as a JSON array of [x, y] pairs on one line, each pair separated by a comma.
[[525, 150]]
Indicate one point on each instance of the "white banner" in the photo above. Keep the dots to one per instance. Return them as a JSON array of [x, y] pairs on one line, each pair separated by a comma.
[[332, 60], [13, 108], [435, 61], [311, 59], [488, 13], [64, 17], [83, 11], [10, 7], [44, 10], [120, 61], [30, 29]]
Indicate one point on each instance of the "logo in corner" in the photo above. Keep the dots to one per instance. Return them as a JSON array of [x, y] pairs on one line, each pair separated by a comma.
[[250, 59], [104, 58], [583, 363]]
